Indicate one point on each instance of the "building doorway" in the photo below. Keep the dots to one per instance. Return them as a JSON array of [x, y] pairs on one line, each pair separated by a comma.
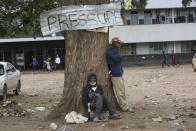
[[28, 59]]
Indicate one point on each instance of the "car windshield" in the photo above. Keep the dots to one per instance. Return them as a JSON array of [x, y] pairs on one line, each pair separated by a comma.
[[1, 70]]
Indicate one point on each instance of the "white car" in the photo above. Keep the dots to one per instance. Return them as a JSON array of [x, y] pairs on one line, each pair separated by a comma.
[[194, 63], [9, 79]]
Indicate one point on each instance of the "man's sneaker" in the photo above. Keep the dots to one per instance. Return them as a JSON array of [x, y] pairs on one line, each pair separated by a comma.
[[96, 119], [130, 110], [115, 116]]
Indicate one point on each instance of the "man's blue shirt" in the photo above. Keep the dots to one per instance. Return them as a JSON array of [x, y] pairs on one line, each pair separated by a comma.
[[34, 61], [114, 62]]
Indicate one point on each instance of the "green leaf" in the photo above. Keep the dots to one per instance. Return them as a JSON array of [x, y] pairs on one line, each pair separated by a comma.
[[29, 12]]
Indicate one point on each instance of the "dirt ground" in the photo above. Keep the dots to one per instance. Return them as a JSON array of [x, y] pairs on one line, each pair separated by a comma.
[[166, 94]]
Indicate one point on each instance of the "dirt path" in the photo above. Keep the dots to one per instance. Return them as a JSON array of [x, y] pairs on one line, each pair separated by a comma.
[[38, 90], [154, 92]]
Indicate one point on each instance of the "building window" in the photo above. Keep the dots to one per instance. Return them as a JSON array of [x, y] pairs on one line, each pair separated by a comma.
[[193, 46], [128, 49], [134, 18], [186, 47], [190, 18], [157, 48], [168, 19], [141, 21], [195, 15], [160, 16], [180, 16], [147, 17], [128, 22]]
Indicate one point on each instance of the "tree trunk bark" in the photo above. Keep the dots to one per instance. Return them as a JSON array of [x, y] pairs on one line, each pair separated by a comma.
[[85, 53]]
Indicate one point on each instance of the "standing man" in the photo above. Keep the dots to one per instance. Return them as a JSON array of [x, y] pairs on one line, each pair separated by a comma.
[[34, 62], [164, 61], [173, 59], [115, 70], [57, 62]]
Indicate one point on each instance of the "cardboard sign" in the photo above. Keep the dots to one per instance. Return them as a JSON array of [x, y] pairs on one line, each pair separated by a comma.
[[80, 17]]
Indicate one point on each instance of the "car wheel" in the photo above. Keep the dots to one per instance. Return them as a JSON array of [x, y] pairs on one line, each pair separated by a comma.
[[17, 91], [4, 96]]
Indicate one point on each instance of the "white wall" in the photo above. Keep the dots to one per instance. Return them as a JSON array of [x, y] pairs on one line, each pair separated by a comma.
[[174, 47], [154, 33], [170, 47], [142, 48], [155, 4], [177, 47]]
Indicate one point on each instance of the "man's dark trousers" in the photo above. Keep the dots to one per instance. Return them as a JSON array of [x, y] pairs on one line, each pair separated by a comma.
[[102, 102]]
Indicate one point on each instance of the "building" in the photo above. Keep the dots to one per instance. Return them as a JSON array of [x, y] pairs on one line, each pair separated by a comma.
[[162, 25], [19, 51]]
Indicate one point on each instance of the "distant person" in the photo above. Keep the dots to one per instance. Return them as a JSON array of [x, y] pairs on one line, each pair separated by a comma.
[[94, 99], [116, 72], [173, 60], [48, 65], [44, 64], [34, 63], [164, 59], [57, 62], [49, 58], [193, 51]]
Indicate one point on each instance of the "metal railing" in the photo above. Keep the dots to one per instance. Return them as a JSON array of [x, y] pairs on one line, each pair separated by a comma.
[[181, 19]]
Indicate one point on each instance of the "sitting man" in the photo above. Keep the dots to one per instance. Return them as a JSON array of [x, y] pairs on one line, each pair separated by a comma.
[[95, 100]]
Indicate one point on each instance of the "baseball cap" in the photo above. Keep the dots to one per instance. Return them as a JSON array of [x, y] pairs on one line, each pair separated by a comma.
[[116, 39]]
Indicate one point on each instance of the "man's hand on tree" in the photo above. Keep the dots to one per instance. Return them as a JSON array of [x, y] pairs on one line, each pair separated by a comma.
[[117, 45]]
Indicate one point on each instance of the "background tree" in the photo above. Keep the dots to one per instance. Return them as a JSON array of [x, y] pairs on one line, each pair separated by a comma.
[[130, 4], [186, 2], [22, 16], [85, 53]]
